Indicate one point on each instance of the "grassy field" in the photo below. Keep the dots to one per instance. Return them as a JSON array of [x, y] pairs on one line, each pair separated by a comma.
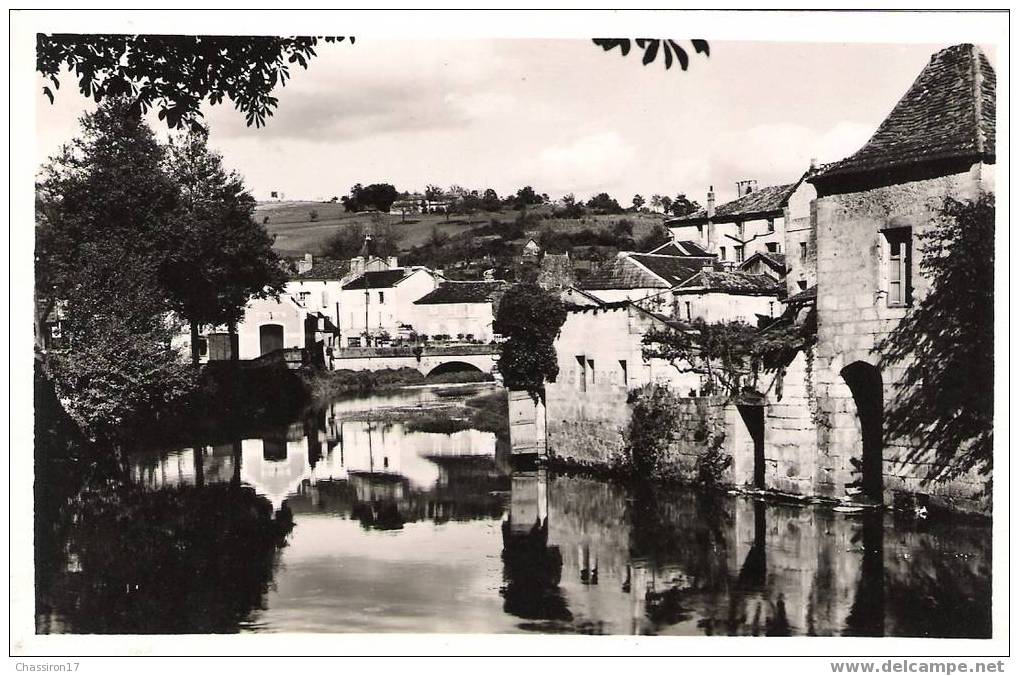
[[297, 234]]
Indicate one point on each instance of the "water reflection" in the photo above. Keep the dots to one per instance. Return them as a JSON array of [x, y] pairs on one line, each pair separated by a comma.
[[336, 525]]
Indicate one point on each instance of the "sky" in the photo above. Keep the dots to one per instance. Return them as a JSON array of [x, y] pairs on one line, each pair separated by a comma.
[[560, 115]]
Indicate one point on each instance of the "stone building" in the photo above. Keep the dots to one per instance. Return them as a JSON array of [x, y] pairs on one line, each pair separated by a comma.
[[759, 220], [600, 362], [458, 310], [872, 208], [377, 304]]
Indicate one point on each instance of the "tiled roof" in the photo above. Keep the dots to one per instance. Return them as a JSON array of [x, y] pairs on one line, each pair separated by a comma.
[[644, 271], [684, 248], [381, 279], [462, 292], [326, 269], [769, 200], [948, 113], [776, 261], [673, 269], [730, 282], [806, 296]]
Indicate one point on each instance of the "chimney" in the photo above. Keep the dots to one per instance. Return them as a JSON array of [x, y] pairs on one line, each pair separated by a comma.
[[391, 261], [745, 187], [813, 164], [357, 266], [305, 264], [711, 202]]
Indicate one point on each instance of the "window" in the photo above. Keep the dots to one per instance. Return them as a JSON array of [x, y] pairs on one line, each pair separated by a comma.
[[740, 229], [771, 225], [721, 252], [772, 247], [802, 284], [382, 298], [590, 368], [325, 298], [771, 308], [739, 253], [688, 311], [622, 369], [353, 342], [581, 373], [803, 251], [899, 260]]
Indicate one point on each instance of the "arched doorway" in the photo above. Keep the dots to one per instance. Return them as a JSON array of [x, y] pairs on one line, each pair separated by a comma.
[[270, 338], [753, 418], [864, 381]]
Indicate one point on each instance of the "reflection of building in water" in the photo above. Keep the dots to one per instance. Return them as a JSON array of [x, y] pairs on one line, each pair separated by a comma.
[[665, 562], [532, 569], [321, 447]]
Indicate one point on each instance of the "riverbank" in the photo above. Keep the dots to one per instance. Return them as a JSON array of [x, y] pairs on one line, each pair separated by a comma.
[[324, 385]]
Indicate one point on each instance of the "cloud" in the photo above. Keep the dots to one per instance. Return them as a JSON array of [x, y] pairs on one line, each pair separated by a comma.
[[587, 164]]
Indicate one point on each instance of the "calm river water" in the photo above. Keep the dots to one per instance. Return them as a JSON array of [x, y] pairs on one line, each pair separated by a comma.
[[333, 524]]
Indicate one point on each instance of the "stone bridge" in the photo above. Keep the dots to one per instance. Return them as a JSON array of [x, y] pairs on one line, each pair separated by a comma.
[[429, 359]]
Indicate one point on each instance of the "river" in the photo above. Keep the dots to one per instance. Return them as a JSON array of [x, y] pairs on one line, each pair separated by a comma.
[[349, 520]]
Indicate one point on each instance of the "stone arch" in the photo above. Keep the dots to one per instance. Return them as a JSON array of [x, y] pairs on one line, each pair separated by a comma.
[[865, 384], [452, 367]]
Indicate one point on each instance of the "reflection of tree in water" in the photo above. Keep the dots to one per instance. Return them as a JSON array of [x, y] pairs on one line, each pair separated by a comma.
[[175, 560], [532, 571], [945, 589]]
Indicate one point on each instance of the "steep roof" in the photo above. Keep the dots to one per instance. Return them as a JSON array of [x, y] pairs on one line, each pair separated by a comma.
[[462, 292], [381, 279], [683, 248], [762, 202], [947, 114], [326, 269], [774, 260], [644, 271], [740, 283]]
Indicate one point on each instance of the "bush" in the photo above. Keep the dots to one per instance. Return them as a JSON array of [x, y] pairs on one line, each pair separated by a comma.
[[652, 429]]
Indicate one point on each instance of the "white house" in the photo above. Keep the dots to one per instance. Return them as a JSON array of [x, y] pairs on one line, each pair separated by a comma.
[[722, 296], [460, 310], [377, 304]]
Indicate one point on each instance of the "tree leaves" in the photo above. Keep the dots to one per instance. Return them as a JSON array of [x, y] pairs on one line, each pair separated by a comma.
[[177, 73], [529, 318], [669, 49]]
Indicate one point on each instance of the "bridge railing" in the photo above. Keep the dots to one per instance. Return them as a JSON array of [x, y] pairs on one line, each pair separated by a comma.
[[413, 351]]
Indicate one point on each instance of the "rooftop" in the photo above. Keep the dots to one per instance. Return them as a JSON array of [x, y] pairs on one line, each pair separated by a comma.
[[762, 202], [462, 292], [326, 269], [382, 279], [644, 271], [946, 114], [683, 248], [734, 282]]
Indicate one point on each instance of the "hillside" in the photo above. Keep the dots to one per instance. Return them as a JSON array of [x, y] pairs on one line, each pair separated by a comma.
[[297, 234]]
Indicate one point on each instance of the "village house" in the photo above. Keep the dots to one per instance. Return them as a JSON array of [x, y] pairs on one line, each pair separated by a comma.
[[872, 210], [458, 310], [725, 296], [378, 305], [643, 277], [757, 221]]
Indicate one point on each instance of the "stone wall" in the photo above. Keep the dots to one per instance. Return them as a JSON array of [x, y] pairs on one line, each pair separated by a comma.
[[791, 424], [854, 315]]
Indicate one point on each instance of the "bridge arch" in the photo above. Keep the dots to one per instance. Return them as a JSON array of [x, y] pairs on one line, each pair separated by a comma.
[[454, 366]]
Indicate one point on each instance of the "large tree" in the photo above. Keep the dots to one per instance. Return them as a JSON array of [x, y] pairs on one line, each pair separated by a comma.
[[945, 401], [223, 258], [105, 222]]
